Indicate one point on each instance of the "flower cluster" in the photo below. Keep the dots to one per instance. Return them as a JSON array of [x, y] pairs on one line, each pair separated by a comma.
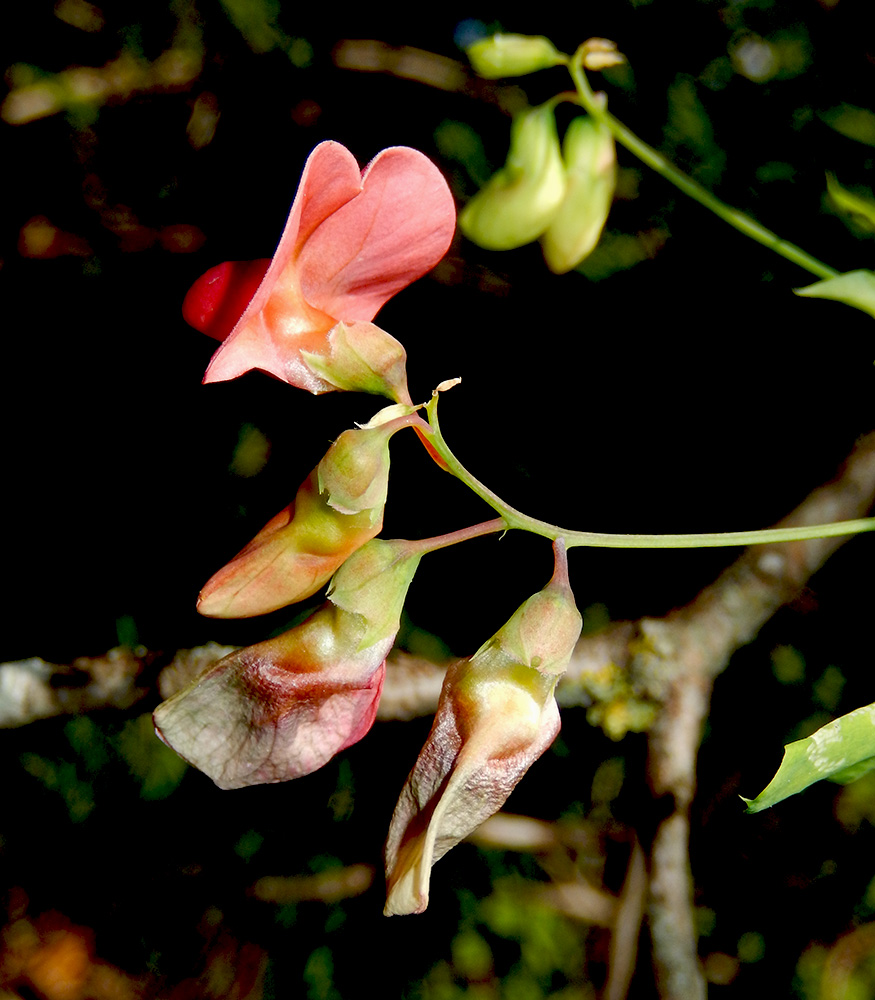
[[282, 708]]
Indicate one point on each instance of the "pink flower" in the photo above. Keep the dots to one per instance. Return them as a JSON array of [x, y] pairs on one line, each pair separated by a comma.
[[352, 240]]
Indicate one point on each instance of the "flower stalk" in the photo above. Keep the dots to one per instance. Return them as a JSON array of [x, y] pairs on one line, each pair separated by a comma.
[[665, 168], [514, 518]]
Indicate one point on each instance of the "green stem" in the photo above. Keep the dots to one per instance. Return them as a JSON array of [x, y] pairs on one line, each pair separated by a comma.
[[516, 519], [462, 535], [656, 161]]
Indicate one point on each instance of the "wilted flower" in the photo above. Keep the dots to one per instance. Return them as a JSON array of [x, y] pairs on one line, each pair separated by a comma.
[[337, 508], [352, 240], [496, 715], [284, 707]]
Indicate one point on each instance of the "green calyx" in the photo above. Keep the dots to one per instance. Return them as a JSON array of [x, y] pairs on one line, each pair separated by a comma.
[[373, 583]]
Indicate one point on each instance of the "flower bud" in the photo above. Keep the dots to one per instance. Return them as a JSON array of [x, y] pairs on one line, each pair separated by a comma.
[[336, 510], [512, 55], [284, 707], [601, 53], [518, 203], [496, 716], [591, 171]]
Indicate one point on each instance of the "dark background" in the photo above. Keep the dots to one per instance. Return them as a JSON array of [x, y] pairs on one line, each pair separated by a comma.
[[691, 392]]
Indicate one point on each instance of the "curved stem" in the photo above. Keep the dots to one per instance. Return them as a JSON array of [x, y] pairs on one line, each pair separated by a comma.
[[656, 161], [516, 519], [462, 535]]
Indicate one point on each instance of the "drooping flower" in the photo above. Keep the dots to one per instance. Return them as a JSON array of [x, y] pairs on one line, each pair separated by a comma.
[[337, 509], [352, 240], [284, 707], [496, 716]]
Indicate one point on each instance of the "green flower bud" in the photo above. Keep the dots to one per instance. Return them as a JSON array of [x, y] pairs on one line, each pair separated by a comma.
[[512, 55], [591, 170], [519, 202]]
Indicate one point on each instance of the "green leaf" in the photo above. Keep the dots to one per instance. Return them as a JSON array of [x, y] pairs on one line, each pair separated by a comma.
[[853, 122], [855, 288], [860, 208], [842, 750]]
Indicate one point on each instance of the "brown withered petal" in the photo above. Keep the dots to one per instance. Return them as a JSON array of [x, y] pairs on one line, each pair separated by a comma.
[[483, 741]]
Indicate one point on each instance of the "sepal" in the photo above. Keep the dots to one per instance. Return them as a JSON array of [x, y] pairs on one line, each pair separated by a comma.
[[373, 583], [353, 476], [360, 357], [544, 630]]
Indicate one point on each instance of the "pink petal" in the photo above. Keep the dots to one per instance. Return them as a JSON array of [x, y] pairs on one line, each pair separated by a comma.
[[217, 300], [398, 228], [275, 711], [253, 345], [289, 559], [331, 178]]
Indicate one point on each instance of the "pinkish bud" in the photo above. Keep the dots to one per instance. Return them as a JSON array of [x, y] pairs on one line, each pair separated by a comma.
[[336, 510]]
